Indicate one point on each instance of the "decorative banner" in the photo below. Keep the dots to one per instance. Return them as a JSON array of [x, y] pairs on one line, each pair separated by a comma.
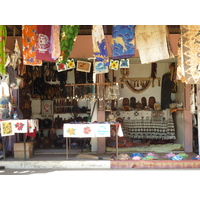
[[100, 68], [43, 51], [86, 130], [20, 126], [123, 41], [114, 64], [6, 128], [83, 66], [70, 64], [29, 44], [99, 45], [124, 63]]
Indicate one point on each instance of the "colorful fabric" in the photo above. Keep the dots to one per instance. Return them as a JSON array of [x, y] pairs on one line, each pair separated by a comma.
[[29, 38], [99, 45], [55, 41], [43, 51], [68, 36], [3, 37], [153, 43], [123, 41], [188, 69]]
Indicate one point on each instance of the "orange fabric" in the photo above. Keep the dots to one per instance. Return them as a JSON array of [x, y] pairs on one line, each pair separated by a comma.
[[29, 41]]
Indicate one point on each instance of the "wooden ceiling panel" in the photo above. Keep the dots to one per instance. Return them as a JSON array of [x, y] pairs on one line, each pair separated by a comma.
[[16, 30]]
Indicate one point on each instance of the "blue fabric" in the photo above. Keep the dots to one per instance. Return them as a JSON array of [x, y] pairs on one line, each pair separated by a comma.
[[123, 41]]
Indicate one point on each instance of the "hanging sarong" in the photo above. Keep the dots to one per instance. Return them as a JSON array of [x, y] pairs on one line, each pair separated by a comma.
[[43, 51], [123, 42], [29, 39], [152, 42], [188, 69], [68, 37], [99, 45], [3, 37], [55, 41]]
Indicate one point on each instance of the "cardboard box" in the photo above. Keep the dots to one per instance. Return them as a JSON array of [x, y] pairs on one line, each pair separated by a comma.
[[19, 150]]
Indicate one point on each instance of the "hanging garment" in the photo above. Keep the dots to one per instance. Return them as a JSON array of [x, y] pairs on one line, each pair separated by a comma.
[[43, 51], [55, 41], [153, 43], [29, 45], [99, 45], [188, 69], [3, 37], [123, 43], [68, 37]]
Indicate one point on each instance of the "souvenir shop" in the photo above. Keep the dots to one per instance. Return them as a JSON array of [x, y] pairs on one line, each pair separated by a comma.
[[132, 91]]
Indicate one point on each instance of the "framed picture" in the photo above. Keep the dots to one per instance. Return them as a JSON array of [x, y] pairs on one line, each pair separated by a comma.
[[7, 128], [83, 66], [47, 107]]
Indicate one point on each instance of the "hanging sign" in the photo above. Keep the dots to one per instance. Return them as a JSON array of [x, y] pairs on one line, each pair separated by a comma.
[[99, 68], [114, 64], [124, 63]]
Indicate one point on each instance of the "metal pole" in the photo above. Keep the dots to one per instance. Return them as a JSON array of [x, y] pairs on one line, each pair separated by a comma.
[[24, 147]]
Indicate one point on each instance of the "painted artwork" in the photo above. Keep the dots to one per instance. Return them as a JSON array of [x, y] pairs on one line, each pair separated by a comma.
[[103, 130], [100, 68], [83, 66], [124, 63], [60, 66], [70, 64], [6, 128], [114, 64], [47, 107], [86, 130], [99, 44], [20, 126]]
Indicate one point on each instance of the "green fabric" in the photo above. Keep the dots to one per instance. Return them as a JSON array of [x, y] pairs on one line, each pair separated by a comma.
[[3, 36], [68, 34]]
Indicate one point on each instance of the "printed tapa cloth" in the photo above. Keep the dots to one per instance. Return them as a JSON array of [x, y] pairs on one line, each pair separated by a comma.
[[188, 62], [152, 42]]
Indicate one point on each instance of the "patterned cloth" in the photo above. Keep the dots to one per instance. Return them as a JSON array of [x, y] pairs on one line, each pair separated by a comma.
[[153, 43], [188, 61], [123, 43], [43, 51], [55, 41], [29, 39], [3, 36], [68, 36], [99, 45], [158, 126]]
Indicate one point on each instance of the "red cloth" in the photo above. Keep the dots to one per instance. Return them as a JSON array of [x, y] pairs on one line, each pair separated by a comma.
[[43, 51], [33, 134]]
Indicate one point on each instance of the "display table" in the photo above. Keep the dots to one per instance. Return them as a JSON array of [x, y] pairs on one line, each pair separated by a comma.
[[149, 125], [89, 130]]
